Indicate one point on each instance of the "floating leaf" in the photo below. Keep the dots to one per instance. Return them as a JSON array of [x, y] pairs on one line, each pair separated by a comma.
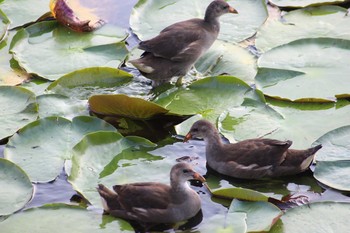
[[98, 155], [261, 216], [51, 51], [240, 193], [334, 174], [302, 123], [208, 97], [57, 218], [302, 3], [18, 108], [322, 61], [21, 12], [312, 22], [123, 105], [61, 106], [230, 222], [234, 28], [226, 58], [75, 16], [315, 217], [81, 84], [16, 188], [42, 146]]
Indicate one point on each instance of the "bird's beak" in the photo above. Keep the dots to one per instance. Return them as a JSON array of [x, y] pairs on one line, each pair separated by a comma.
[[232, 10], [187, 137], [197, 176]]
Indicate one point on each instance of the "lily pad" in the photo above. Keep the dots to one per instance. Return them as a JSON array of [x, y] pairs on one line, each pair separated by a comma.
[[311, 22], [57, 218], [315, 217], [208, 97], [107, 157], [42, 146], [16, 188], [4, 22], [240, 193], [18, 108], [283, 120], [226, 58], [21, 12], [334, 174], [50, 50], [225, 223], [303, 3], [61, 106], [234, 28], [123, 105], [81, 84], [322, 61], [261, 216]]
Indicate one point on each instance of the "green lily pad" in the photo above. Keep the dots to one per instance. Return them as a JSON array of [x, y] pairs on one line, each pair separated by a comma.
[[240, 193], [322, 61], [234, 28], [18, 108], [42, 146], [61, 106], [50, 50], [57, 218], [4, 22], [208, 97], [226, 58], [81, 84], [16, 188], [21, 12], [123, 105], [261, 216], [312, 22], [303, 3], [225, 223], [334, 174], [110, 158], [302, 123], [315, 217], [333, 161], [335, 145]]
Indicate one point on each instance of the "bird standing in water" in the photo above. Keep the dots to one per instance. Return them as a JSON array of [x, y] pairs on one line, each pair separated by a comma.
[[178, 46]]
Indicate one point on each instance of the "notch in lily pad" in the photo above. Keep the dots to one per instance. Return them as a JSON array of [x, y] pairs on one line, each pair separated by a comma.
[[135, 116]]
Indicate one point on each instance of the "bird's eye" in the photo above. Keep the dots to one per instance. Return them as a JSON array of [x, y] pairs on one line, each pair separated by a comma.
[[224, 7], [185, 171]]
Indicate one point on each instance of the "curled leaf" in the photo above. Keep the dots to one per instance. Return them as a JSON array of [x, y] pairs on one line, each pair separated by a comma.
[[68, 17]]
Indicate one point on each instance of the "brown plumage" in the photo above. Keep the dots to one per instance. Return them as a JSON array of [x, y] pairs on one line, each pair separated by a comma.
[[252, 158], [152, 202], [178, 46]]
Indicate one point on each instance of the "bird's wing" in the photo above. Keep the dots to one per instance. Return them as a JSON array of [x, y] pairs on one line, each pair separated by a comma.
[[143, 195], [263, 152], [177, 41]]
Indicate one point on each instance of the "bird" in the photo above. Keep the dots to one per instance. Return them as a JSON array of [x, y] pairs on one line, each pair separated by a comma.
[[252, 158], [178, 46], [155, 203]]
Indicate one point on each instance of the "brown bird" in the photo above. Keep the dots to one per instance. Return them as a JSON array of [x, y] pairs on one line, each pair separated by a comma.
[[178, 46], [154, 203], [252, 158]]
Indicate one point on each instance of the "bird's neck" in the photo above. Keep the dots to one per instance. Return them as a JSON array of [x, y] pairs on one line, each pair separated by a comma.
[[212, 21], [213, 143]]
